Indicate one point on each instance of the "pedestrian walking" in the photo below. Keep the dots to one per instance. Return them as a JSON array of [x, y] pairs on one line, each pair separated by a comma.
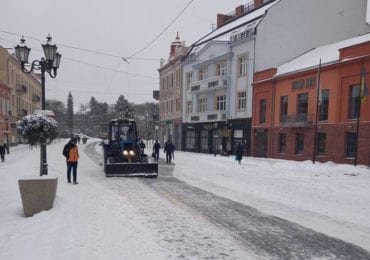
[[239, 152], [70, 151], [156, 148], [3, 148], [169, 149]]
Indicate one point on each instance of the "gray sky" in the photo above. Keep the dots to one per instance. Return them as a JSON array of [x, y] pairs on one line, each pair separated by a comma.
[[117, 27]]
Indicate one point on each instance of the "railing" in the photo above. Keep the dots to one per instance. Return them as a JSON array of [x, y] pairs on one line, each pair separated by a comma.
[[209, 83], [298, 120], [209, 116], [21, 88], [36, 98]]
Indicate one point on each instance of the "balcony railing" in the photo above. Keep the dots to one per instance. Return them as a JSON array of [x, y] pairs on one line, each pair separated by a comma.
[[22, 112], [298, 120], [209, 84], [36, 98], [21, 89], [209, 116]]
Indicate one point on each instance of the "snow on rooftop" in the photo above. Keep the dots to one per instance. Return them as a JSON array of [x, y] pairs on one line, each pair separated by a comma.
[[223, 33], [328, 54]]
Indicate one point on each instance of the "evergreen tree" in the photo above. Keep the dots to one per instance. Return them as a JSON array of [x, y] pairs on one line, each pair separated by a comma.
[[60, 112], [70, 118], [123, 108]]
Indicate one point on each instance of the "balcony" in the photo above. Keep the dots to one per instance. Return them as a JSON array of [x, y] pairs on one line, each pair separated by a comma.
[[209, 116], [209, 84], [21, 89], [22, 112], [298, 120], [36, 98]]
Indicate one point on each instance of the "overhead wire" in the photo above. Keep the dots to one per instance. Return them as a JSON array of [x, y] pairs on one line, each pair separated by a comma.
[[163, 31]]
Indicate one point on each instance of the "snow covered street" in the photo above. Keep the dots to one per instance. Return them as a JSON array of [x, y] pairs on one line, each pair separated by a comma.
[[138, 218]]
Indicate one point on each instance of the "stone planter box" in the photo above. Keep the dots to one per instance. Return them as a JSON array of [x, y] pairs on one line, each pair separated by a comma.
[[37, 193]]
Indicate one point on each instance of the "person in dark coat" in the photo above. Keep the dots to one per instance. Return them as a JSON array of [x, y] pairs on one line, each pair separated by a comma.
[[239, 152], [70, 151], [142, 147], [3, 148], [169, 149], [156, 148]]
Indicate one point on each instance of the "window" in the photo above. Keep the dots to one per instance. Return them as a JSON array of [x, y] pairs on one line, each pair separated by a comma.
[[203, 73], [262, 111], [190, 139], [177, 104], [282, 143], [302, 106], [321, 140], [324, 106], [283, 109], [189, 78], [202, 105], [353, 104], [221, 69], [299, 143], [242, 66], [351, 145], [189, 107], [242, 100], [204, 139], [221, 103]]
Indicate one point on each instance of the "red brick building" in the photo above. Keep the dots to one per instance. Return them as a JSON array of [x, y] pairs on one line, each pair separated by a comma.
[[289, 108]]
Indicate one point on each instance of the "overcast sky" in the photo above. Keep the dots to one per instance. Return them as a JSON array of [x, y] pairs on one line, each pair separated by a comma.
[[120, 28]]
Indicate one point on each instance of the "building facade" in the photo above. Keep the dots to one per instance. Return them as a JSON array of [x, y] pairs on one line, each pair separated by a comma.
[[170, 102], [304, 110], [293, 27], [218, 76], [4, 110], [25, 91]]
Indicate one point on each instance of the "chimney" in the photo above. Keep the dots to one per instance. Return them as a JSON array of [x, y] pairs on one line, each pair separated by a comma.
[[221, 18], [239, 11], [258, 3]]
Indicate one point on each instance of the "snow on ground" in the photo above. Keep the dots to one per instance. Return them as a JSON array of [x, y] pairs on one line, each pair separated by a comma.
[[87, 220], [330, 198]]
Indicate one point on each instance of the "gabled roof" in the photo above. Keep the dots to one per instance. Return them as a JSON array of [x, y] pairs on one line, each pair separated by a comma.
[[223, 33]]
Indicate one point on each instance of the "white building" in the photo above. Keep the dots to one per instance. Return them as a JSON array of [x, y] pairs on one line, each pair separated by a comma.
[[218, 70]]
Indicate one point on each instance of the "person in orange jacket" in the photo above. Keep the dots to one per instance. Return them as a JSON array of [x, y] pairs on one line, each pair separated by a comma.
[[70, 151]]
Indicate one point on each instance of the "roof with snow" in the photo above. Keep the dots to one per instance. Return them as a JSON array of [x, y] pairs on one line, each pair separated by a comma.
[[224, 32], [328, 54]]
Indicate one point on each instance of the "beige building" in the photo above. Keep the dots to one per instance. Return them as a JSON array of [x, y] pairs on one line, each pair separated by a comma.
[[25, 92], [170, 76]]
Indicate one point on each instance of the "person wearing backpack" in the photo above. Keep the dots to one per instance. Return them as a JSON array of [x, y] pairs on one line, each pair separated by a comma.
[[70, 151]]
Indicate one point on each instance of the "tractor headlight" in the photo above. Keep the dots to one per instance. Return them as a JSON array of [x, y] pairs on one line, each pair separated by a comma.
[[125, 153], [132, 153]]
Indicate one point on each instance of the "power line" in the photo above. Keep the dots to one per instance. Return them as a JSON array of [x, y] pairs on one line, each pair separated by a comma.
[[160, 34], [81, 49]]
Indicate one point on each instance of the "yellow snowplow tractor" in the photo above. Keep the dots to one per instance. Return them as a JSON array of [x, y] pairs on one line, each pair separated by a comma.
[[122, 155]]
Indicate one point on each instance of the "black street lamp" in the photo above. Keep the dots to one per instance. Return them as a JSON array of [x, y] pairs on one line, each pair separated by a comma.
[[49, 64]]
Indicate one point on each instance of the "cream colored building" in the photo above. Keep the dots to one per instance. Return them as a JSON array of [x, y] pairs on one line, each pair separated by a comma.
[[25, 93], [170, 100]]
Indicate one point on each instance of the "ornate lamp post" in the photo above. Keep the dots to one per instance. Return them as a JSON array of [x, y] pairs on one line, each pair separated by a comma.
[[49, 64]]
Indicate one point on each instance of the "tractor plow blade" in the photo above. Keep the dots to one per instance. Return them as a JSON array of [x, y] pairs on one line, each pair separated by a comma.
[[131, 169]]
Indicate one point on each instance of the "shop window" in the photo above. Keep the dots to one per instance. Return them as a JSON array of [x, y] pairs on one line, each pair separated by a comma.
[[299, 143], [351, 145], [282, 143], [321, 144]]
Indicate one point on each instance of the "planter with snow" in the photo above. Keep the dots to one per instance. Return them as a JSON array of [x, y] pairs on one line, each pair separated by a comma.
[[37, 193]]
